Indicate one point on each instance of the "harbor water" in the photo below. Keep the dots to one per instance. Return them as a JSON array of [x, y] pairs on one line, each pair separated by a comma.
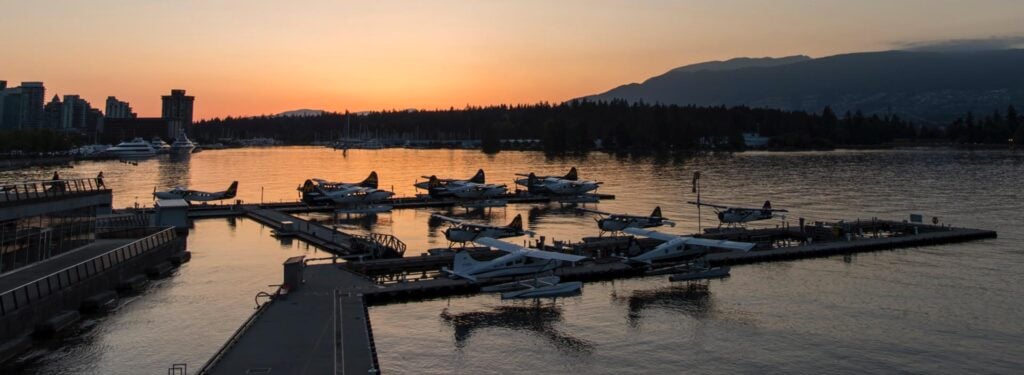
[[942, 309]]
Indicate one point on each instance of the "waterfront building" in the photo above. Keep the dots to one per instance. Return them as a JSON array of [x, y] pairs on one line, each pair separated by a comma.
[[119, 109], [48, 218], [62, 251]]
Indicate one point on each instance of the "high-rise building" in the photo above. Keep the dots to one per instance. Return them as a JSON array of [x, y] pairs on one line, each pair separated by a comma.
[[119, 109], [73, 113], [21, 107], [53, 113], [33, 95], [178, 106]]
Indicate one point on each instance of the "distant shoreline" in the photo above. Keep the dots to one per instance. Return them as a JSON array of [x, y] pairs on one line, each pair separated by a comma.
[[28, 162]]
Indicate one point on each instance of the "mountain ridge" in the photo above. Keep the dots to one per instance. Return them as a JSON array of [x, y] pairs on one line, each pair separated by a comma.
[[928, 87]]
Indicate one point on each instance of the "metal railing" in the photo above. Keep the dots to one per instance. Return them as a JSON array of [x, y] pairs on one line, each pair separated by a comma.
[[49, 188], [18, 297], [378, 242]]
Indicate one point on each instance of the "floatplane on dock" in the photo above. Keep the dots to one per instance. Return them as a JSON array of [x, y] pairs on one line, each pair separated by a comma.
[[570, 184], [519, 260], [472, 188], [319, 191], [462, 231], [676, 246], [610, 222], [190, 195], [740, 215]]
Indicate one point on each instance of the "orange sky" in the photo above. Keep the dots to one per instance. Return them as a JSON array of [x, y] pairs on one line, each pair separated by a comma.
[[257, 57]]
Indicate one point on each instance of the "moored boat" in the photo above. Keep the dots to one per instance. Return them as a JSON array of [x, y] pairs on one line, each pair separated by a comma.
[[135, 148]]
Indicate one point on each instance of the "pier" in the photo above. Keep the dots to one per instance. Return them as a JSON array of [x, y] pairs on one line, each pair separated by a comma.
[[320, 327]]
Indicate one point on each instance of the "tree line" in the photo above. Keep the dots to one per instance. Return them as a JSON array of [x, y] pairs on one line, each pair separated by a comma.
[[582, 125]]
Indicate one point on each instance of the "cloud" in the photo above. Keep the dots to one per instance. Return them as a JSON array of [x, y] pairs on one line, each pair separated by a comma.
[[964, 45]]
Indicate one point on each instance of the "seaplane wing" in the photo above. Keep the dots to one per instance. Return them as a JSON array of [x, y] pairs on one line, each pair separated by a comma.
[[451, 219], [594, 211], [692, 241], [651, 234], [719, 244], [532, 253], [708, 205]]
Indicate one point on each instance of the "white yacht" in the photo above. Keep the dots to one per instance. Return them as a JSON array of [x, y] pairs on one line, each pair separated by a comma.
[[137, 147], [182, 145], [160, 146]]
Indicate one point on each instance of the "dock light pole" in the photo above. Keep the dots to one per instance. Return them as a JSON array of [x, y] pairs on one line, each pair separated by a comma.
[[261, 195], [696, 189]]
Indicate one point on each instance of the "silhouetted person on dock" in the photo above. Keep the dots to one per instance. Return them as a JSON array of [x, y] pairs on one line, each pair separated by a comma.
[[57, 185]]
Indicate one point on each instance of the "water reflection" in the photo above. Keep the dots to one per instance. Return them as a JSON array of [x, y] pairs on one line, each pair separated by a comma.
[[551, 210], [693, 299], [364, 221], [536, 318]]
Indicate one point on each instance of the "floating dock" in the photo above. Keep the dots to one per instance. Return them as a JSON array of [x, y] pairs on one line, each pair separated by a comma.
[[321, 327], [324, 327]]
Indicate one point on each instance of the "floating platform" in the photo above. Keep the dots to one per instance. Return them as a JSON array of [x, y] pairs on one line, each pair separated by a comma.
[[323, 326]]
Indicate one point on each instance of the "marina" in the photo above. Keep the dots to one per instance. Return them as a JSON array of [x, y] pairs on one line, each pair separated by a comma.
[[375, 282], [351, 285]]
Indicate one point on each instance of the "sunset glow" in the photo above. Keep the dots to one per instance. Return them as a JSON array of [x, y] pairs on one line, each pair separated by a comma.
[[249, 57]]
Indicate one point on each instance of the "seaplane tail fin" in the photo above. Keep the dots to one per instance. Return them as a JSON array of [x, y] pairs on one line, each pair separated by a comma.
[[572, 175], [232, 190], [371, 181], [463, 261], [478, 177], [517, 223], [307, 186], [458, 274], [657, 212]]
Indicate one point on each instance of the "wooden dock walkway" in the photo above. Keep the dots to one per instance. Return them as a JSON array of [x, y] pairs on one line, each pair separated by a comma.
[[315, 234], [329, 239]]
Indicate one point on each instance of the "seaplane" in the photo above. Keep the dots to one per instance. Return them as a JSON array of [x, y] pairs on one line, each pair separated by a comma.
[[190, 195], [676, 246], [570, 184], [462, 231], [472, 188], [319, 191], [609, 222], [518, 261], [740, 215]]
